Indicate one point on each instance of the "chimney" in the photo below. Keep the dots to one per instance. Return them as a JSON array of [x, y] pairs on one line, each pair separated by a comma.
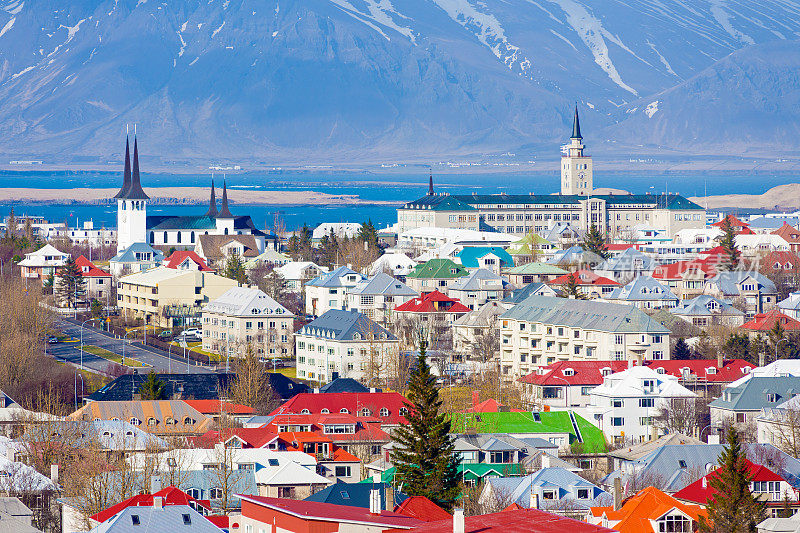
[[158, 502], [54, 474], [373, 389], [316, 390], [617, 494], [705, 482], [475, 398], [388, 498], [375, 501], [458, 520], [155, 484], [720, 362]]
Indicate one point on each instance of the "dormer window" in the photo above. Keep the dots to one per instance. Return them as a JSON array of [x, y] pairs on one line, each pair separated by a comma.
[[325, 411], [605, 371], [305, 412], [568, 372]]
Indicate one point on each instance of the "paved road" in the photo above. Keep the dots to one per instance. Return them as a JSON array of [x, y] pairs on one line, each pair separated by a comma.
[[158, 359]]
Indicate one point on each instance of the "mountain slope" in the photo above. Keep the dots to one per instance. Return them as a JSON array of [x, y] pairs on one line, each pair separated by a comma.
[[343, 80]]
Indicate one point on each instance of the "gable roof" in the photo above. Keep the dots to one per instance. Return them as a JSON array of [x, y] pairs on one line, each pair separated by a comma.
[[521, 490], [351, 401], [333, 278], [513, 521], [168, 518], [476, 279], [701, 490], [128, 255], [586, 314], [170, 496], [629, 260], [754, 393], [89, 270], [346, 326], [383, 284], [186, 419], [537, 269], [629, 384], [433, 302], [577, 373], [355, 494], [438, 269], [583, 277], [178, 257], [676, 271], [648, 504], [329, 512], [637, 451], [519, 295], [469, 256], [343, 385], [643, 288], [766, 321], [214, 407], [421, 508], [246, 302], [212, 245], [789, 233], [704, 305]]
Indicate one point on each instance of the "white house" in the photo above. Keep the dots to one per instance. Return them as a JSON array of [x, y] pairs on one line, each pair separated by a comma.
[[297, 273], [42, 263], [329, 290], [644, 292], [625, 404], [396, 264], [377, 297], [343, 342], [477, 288]]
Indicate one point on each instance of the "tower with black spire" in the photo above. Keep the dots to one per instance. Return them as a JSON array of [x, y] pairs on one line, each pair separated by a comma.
[[212, 204], [576, 167], [430, 184], [224, 217], [131, 203]]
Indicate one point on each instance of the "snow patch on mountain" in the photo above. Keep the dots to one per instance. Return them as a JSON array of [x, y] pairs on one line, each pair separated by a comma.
[[215, 32], [8, 26], [723, 19], [488, 30], [14, 7], [651, 109]]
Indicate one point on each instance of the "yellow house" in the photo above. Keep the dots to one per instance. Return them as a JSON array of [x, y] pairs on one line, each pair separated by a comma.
[[169, 297]]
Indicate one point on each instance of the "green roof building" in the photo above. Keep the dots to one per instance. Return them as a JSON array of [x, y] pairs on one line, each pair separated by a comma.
[[435, 274]]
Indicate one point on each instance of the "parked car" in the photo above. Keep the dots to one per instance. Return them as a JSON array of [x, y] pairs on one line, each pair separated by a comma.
[[52, 340], [166, 334]]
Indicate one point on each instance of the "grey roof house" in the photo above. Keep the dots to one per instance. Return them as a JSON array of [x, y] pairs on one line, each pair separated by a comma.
[[644, 292], [741, 402]]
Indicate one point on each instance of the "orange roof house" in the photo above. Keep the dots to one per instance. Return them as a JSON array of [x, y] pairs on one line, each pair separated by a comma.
[[739, 227], [646, 512], [789, 234], [763, 322]]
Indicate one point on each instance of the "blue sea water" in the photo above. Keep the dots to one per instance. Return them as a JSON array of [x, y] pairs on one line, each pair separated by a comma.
[[370, 187]]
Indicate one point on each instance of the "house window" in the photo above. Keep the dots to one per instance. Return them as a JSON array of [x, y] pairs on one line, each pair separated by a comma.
[[647, 402], [617, 402], [548, 495], [342, 471], [583, 494], [384, 411], [674, 524], [215, 493], [617, 421], [740, 417]]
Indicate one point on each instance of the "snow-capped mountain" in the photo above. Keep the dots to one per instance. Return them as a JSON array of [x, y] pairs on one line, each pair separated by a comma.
[[347, 80]]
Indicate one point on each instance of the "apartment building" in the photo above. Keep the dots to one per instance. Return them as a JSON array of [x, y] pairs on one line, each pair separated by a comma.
[[625, 405], [243, 317], [343, 342], [542, 330], [329, 290], [377, 297], [169, 297]]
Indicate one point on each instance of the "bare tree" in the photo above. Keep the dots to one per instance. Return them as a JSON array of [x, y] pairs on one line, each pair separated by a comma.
[[683, 415], [252, 386], [785, 430]]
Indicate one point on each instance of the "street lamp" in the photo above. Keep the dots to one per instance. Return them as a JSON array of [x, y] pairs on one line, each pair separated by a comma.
[[123, 346], [84, 322], [76, 388], [566, 390]]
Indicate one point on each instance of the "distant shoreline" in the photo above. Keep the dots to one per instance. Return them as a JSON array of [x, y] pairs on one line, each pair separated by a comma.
[[183, 196]]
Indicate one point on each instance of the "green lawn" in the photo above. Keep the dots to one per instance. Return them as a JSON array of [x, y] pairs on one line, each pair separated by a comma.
[[111, 356]]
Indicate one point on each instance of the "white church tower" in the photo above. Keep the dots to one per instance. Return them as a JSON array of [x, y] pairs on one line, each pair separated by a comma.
[[131, 203], [576, 168]]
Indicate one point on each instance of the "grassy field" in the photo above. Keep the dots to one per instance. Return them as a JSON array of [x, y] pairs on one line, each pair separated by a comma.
[[111, 356]]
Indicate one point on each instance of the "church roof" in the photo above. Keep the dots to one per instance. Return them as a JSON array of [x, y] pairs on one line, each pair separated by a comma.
[[212, 204], [224, 212], [134, 190], [126, 175], [197, 222]]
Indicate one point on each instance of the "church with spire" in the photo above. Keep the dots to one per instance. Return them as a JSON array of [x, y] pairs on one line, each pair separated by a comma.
[[576, 206], [134, 226]]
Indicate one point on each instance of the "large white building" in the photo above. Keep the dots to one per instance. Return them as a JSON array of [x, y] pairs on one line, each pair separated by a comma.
[[343, 342], [329, 290], [627, 402], [543, 329], [619, 215], [134, 226]]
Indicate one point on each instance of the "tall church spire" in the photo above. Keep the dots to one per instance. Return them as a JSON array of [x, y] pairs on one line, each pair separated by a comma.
[[430, 185], [126, 175], [134, 191], [224, 212], [576, 125], [212, 204]]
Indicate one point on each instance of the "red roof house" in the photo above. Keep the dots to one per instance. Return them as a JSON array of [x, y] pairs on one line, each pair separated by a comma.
[[703, 370], [511, 521], [789, 234], [779, 260], [739, 227], [356, 429], [421, 508], [187, 260], [768, 485], [763, 322], [298, 516], [650, 511], [676, 271], [89, 270], [169, 496], [433, 302], [388, 407], [238, 438]]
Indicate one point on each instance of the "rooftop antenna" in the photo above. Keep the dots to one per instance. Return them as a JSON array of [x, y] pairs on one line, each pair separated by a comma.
[[134, 128], [126, 128]]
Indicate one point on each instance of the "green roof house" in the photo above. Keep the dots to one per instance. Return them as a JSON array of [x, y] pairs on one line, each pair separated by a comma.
[[435, 274]]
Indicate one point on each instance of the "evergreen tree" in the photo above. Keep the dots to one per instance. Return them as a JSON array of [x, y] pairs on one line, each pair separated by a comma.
[[71, 285], [570, 289], [328, 250], [48, 283], [425, 457], [305, 236], [737, 346], [368, 234], [596, 242], [681, 351], [152, 388], [11, 226], [728, 243], [234, 269], [293, 247], [733, 509]]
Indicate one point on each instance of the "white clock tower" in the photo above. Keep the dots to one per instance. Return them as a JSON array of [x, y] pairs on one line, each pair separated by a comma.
[[576, 168], [131, 203]]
